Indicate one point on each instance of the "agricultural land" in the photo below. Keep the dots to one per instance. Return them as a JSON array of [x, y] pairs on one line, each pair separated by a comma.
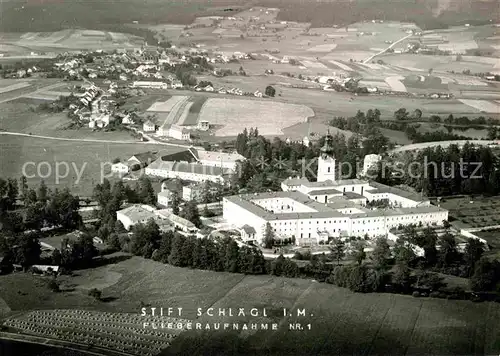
[[361, 323]]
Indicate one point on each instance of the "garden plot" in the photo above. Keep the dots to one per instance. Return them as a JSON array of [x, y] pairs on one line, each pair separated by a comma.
[[482, 105], [268, 116], [166, 106], [115, 331]]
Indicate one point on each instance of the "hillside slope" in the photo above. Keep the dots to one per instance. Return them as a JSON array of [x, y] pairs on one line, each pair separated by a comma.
[[52, 15]]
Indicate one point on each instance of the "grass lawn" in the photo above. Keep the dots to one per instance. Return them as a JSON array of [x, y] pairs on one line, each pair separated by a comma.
[[341, 322], [15, 152], [194, 110]]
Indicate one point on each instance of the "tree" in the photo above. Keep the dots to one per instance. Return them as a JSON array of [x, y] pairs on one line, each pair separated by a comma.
[[28, 250], [381, 253], [175, 257], [486, 275], [359, 253], [448, 254], [23, 189], [403, 251], [268, 236], [53, 285], [176, 201], [270, 91], [83, 250], [42, 192], [190, 212], [474, 249], [206, 193], [146, 191], [417, 114], [401, 114], [95, 293], [401, 278], [337, 250]]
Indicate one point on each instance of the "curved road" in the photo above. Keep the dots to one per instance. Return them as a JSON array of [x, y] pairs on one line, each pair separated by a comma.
[[444, 144], [385, 50]]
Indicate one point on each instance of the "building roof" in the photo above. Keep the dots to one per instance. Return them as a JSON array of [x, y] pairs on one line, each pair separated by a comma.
[[137, 212], [295, 181], [382, 188], [175, 218], [186, 167], [352, 195], [215, 156], [322, 211], [165, 193], [324, 191], [248, 229], [145, 157], [149, 123], [179, 128]]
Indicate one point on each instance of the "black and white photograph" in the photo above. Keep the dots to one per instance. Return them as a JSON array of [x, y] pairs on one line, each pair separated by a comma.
[[249, 177]]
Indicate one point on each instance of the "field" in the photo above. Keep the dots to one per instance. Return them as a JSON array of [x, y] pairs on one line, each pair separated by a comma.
[[481, 212], [20, 116], [341, 322], [70, 39], [168, 105], [483, 105], [269, 116], [83, 158]]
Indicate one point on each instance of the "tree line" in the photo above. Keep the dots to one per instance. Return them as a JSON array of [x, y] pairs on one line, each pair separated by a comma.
[[445, 171]]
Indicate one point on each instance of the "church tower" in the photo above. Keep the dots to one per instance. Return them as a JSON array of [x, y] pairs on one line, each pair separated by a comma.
[[326, 161]]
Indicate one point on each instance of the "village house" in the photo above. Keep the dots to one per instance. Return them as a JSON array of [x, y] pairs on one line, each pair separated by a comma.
[[120, 167], [203, 125], [148, 126]]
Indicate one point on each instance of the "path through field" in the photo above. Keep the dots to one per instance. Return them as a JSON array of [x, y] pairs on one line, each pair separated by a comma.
[[369, 59]]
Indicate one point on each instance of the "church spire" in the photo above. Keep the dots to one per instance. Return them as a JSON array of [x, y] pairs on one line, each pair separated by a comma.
[[327, 149]]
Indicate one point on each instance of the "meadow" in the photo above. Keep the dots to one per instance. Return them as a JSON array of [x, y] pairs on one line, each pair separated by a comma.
[[83, 158], [269, 116], [341, 322], [86, 14]]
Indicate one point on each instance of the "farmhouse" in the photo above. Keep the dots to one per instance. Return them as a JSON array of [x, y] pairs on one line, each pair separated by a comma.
[[203, 125], [310, 212]]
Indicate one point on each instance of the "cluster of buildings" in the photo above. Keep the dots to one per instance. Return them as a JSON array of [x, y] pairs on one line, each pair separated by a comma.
[[194, 165], [311, 212], [164, 218]]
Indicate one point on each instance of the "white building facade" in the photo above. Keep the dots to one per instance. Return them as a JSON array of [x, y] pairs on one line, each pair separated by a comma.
[[310, 212]]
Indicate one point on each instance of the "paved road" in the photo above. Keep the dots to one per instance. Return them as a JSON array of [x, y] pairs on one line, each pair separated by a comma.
[[444, 144], [385, 50], [153, 142]]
